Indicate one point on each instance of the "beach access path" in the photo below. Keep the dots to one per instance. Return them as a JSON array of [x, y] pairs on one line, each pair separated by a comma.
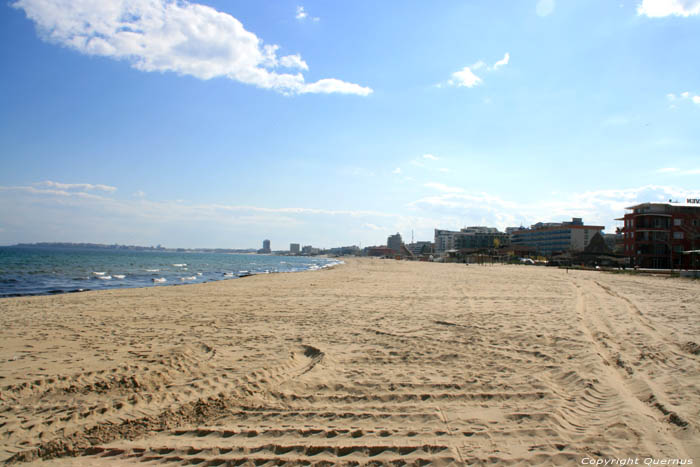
[[373, 361]]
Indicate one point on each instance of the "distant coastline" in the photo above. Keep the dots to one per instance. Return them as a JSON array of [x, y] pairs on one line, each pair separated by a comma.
[[101, 246]]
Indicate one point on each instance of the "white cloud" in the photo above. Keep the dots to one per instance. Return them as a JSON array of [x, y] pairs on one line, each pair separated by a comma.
[[599, 207], [430, 156], [444, 188], [465, 77], [545, 7], [77, 186], [294, 61], [502, 62], [302, 15], [478, 65], [30, 213], [684, 95], [662, 8], [332, 85], [176, 36], [397, 170], [56, 193]]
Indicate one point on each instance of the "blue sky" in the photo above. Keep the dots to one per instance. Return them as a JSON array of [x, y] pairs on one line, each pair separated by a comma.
[[221, 123]]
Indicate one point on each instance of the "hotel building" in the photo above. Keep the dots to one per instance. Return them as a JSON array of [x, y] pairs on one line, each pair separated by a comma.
[[266, 247], [394, 243], [469, 238], [656, 235], [556, 237]]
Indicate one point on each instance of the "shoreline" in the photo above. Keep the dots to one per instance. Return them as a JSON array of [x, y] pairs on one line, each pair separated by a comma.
[[226, 276], [374, 361]]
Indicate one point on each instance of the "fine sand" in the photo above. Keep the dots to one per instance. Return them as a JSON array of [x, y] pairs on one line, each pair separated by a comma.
[[371, 362]]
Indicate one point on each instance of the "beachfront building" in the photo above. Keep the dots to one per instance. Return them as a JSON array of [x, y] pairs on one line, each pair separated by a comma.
[[597, 253], [444, 241], [266, 247], [380, 251], [420, 248], [344, 251], [479, 238], [294, 248], [475, 237], [394, 242], [662, 235], [548, 238]]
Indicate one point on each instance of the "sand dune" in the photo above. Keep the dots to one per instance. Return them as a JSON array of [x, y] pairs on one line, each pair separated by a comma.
[[371, 362]]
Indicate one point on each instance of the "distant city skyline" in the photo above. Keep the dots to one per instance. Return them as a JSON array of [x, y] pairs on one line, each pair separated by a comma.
[[213, 124]]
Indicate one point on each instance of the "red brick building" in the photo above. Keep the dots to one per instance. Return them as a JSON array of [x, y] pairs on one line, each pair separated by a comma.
[[659, 235]]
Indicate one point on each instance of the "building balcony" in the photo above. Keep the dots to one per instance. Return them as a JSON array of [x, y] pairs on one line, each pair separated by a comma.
[[650, 214], [652, 229]]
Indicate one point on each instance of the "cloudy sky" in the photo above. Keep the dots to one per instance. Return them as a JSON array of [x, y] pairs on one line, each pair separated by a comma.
[[221, 123]]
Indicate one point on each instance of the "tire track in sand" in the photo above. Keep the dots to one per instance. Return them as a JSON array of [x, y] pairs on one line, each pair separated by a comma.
[[186, 398], [619, 334]]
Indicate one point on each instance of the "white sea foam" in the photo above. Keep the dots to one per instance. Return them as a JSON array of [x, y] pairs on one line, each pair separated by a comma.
[[199, 273], [159, 279], [180, 265], [119, 276], [99, 273], [104, 278], [191, 278], [152, 270]]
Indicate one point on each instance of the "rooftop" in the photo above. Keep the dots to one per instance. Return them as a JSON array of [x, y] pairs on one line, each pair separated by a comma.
[[689, 203]]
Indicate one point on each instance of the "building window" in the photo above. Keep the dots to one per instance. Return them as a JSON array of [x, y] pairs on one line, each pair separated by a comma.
[[677, 222], [678, 235]]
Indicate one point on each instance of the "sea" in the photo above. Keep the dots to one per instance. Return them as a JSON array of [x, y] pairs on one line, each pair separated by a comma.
[[55, 270]]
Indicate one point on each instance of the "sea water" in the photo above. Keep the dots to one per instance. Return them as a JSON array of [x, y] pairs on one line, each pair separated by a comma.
[[40, 271]]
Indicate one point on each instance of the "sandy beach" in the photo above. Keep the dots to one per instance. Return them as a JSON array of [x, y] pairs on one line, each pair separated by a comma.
[[371, 362]]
